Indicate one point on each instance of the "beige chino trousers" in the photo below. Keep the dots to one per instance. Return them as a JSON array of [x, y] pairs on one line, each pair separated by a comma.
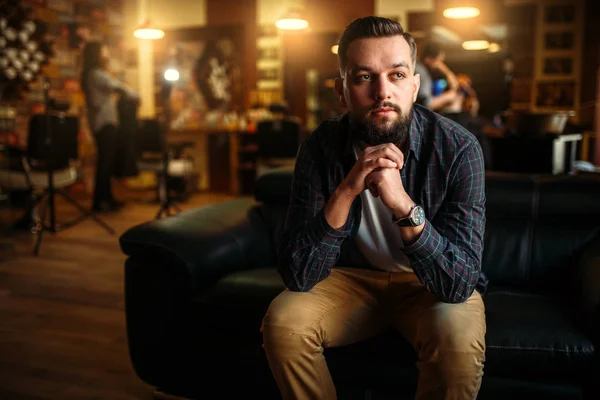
[[353, 304]]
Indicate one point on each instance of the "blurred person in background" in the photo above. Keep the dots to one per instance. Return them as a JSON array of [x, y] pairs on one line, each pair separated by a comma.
[[439, 95], [100, 88]]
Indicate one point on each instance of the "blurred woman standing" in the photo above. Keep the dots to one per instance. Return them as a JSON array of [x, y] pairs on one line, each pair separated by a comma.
[[99, 88]]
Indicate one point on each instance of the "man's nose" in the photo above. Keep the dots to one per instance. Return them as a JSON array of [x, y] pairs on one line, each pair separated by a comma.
[[381, 89]]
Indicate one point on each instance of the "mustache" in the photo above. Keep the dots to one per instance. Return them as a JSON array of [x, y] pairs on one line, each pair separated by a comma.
[[389, 104]]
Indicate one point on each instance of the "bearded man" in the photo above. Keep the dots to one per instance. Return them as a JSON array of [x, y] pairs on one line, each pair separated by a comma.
[[385, 229]]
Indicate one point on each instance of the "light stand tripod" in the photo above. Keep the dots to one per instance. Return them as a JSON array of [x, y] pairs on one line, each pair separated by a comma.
[[50, 154], [164, 192]]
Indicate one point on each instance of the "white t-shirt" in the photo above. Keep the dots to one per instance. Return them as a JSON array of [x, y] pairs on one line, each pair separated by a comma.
[[378, 237]]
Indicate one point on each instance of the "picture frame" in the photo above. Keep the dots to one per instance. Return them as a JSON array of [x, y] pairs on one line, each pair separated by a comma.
[[211, 80], [558, 66], [559, 14], [556, 95], [561, 40]]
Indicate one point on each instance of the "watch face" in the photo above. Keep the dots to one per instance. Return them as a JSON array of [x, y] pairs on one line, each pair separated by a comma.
[[418, 215]]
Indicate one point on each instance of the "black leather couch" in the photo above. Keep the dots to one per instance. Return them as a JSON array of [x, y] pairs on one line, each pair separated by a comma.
[[198, 284]]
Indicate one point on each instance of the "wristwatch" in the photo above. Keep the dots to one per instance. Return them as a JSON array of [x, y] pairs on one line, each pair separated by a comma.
[[415, 217]]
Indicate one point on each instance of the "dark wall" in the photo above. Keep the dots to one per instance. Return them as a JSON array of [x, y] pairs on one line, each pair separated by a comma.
[[312, 49], [485, 70], [590, 62]]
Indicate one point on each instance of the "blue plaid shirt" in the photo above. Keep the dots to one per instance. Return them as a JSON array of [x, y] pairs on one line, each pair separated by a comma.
[[443, 172]]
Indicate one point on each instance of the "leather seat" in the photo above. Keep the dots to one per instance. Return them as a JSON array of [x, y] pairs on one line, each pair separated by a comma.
[[533, 336], [530, 335], [198, 285]]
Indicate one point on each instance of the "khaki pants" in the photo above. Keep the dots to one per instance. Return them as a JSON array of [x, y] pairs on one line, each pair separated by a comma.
[[353, 304]]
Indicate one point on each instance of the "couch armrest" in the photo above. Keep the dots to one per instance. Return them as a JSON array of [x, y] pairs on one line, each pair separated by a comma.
[[587, 288], [211, 241]]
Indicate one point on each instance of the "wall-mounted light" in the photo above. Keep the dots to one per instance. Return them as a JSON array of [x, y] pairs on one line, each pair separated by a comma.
[[334, 49], [475, 44], [461, 12], [292, 20]]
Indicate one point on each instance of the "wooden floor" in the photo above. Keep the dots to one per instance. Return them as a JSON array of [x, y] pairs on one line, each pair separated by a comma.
[[62, 324]]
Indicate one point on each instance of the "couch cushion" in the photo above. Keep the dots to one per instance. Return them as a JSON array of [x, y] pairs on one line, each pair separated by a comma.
[[243, 297], [248, 288], [529, 336], [533, 336], [506, 250]]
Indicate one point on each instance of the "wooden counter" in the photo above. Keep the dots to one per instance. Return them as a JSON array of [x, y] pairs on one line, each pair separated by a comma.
[[223, 158]]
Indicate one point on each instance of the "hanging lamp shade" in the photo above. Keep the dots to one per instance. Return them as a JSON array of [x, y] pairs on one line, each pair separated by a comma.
[[461, 9], [145, 31], [292, 21], [477, 44]]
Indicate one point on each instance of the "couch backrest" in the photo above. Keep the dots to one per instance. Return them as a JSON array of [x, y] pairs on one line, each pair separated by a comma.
[[536, 225]]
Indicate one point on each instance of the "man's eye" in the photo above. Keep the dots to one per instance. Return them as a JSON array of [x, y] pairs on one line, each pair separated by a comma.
[[364, 77], [398, 75]]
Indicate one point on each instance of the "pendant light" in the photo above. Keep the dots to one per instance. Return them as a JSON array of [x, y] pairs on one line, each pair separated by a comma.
[[477, 44], [461, 9], [146, 31], [292, 20]]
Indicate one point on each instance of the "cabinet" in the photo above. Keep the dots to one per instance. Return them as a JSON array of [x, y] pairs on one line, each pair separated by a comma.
[[559, 41], [269, 66], [546, 43]]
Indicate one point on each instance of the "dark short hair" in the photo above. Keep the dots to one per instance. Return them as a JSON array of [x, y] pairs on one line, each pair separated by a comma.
[[372, 27], [91, 59], [430, 50]]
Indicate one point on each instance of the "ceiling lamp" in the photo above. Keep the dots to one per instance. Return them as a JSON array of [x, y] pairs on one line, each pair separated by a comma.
[[145, 31], [461, 12], [475, 45], [494, 48], [292, 21]]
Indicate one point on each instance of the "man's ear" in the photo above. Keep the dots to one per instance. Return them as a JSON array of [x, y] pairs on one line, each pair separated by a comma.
[[339, 89], [417, 86]]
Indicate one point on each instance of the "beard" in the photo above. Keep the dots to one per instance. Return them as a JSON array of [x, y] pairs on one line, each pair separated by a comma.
[[374, 133]]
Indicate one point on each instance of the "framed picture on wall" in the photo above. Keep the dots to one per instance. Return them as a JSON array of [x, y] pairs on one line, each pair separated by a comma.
[[558, 66], [555, 94], [559, 40], [559, 14], [209, 62]]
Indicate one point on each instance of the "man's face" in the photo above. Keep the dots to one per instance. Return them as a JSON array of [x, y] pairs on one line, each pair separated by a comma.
[[379, 88]]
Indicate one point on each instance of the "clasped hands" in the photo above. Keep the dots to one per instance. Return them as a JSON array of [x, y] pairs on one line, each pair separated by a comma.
[[377, 169]]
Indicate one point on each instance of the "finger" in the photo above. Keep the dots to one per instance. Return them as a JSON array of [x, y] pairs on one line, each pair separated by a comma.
[[387, 150], [380, 162]]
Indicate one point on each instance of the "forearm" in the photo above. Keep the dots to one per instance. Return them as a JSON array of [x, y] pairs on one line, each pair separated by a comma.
[[449, 271], [312, 251], [442, 100], [108, 83], [308, 253], [338, 207]]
